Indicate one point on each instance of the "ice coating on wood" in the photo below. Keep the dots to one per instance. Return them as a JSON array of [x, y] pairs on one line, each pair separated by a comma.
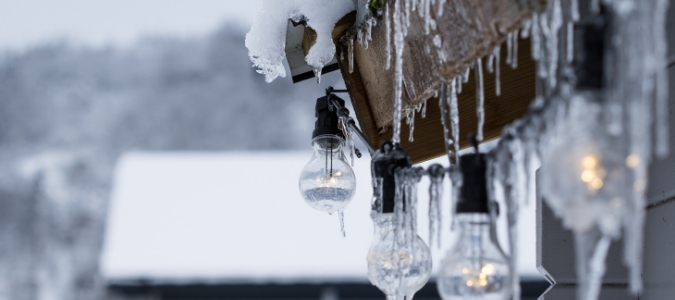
[[266, 40]]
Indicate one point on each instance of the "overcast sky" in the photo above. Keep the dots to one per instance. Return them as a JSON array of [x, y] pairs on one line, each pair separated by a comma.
[[24, 23]]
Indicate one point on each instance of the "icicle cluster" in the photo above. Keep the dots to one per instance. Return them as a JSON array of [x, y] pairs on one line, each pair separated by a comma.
[[594, 145], [266, 40], [426, 9]]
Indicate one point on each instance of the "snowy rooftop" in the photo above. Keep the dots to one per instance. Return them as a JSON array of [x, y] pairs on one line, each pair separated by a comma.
[[238, 217]]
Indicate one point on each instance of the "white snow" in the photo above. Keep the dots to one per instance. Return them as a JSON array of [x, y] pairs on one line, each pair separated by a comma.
[[238, 217], [267, 39]]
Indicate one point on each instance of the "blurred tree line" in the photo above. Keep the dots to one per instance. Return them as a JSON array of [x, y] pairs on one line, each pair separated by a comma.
[[68, 112]]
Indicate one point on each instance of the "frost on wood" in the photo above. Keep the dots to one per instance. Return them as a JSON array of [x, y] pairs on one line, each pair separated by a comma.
[[266, 40]]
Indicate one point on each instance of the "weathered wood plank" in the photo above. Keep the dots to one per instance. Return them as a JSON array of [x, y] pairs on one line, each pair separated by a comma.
[[468, 30]]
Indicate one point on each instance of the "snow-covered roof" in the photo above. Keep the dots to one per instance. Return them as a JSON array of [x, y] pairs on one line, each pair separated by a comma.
[[238, 217]]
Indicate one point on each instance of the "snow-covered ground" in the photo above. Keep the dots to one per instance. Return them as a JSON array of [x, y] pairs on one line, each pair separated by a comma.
[[238, 217]]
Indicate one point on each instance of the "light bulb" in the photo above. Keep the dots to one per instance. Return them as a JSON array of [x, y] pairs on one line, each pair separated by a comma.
[[475, 268], [327, 182], [398, 271]]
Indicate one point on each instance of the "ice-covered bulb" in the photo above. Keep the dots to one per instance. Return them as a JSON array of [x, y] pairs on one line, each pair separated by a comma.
[[327, 182], [475, 268], [397, 270]]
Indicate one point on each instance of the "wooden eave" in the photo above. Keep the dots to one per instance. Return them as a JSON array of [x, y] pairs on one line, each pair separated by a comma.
[[469, 30]]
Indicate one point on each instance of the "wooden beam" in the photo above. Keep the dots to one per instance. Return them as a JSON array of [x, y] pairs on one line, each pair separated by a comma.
[[468, 30]]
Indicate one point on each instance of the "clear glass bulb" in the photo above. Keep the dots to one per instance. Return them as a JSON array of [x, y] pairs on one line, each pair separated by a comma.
[[327, 182], [398, 271], [475, 268]]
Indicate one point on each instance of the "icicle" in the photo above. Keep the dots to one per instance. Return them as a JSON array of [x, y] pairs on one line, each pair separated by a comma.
[[456, 182], [387, 27], [574, 10], [399, 214], [661, 99], [351, 55], [406, 17], [480, 98], [459, 84], [535, 41], [597, 268], [317, 74], [425, 13], [570, 42], [341, 216], [497, 54], [369, 27], [454, 117], [445, 119], [450, 119], [595, 6], [438, 42], [398, 70], [552, 42], [435, 194], [526, 27], [411, 123], [514, 51], [509, 48], [424, 109], [440, 7], [349, 137], [491, 62]]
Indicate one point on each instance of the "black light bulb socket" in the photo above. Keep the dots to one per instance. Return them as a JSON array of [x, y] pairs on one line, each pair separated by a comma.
[[327, 118], [384, 165], [590, 40], [473, 196]]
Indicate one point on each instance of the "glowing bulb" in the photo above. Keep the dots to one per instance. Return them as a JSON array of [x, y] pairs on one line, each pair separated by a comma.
[[632, 160], [590, 162], [398, 271], [587, 176], [475, 268], [327, 182]]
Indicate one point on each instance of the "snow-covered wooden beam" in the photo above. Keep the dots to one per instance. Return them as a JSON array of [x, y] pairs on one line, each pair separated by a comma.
[[467, 30]]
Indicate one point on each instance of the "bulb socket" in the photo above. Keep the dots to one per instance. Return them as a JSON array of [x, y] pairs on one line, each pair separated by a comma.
[[388, 158], [591, 35], [327, 119], [473, 196]]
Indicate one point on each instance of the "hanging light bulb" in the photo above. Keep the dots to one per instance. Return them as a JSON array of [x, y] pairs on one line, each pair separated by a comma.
[[398, 268], [327, 182], [398, 271], [475, 267]]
